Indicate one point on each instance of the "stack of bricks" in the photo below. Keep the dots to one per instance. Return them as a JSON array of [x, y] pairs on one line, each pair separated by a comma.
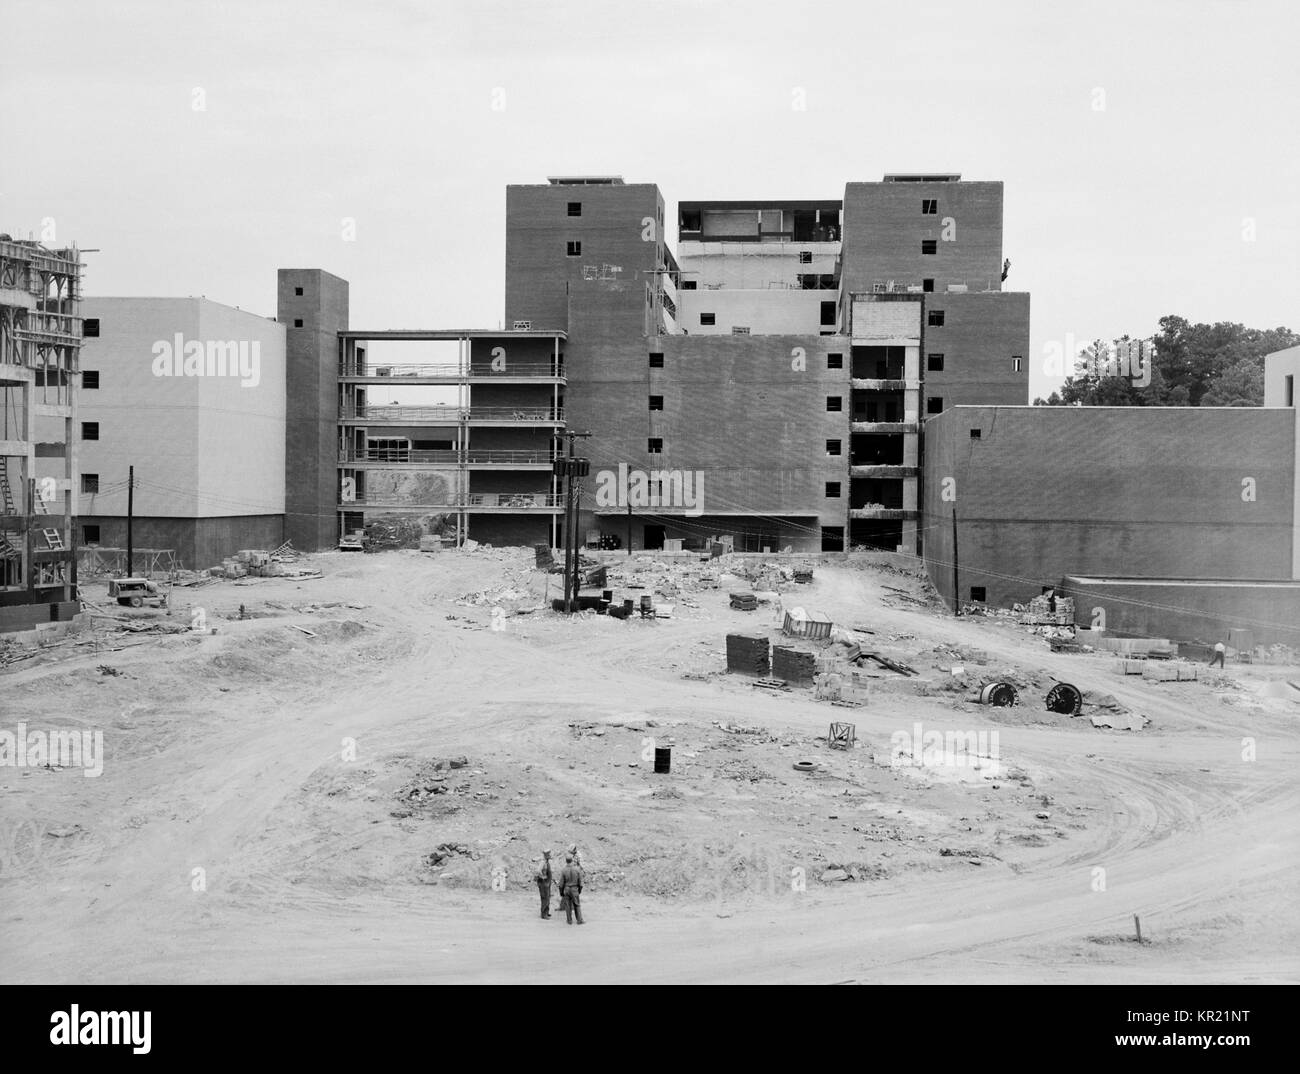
[[747, 654], [793, 665]]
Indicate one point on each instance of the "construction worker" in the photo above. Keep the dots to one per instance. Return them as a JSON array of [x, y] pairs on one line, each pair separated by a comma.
[[1220, 651], [573, 853], [571, 889], [543, 878]]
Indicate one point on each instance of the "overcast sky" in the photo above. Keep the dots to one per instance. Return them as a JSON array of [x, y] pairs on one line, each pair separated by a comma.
[[1142, 144]]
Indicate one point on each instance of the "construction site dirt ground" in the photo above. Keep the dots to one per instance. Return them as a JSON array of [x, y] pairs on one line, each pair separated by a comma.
[[350, 784]]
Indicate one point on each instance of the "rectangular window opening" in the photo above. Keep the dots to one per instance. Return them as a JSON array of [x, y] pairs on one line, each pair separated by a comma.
[[90, 380], [655, 445], [934, 363], [656, 402]]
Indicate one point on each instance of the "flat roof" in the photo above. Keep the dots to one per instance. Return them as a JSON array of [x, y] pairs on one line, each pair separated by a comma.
[[452, 333], [585, 180], [770, 203], [923, 177]]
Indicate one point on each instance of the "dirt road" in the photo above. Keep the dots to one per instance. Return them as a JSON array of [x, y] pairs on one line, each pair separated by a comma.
[[279, 806]]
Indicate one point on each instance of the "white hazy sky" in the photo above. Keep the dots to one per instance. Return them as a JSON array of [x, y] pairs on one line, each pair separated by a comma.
[[383, 112]]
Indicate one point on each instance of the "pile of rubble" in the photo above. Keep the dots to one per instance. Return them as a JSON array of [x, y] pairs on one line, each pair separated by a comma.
[[282, 563]]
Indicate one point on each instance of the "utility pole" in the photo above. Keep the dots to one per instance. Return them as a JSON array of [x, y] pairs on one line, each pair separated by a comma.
[[956, 590], [130, 513], [629, 525], [572, 468]]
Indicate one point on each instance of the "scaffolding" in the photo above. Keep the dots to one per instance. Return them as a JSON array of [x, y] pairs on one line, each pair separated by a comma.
[[40, 347]]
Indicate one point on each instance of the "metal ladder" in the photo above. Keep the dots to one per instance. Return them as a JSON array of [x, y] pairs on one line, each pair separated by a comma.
[[6, 493]]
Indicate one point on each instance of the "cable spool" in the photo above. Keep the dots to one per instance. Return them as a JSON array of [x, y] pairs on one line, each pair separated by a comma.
[[1065, 699], [999, 694]]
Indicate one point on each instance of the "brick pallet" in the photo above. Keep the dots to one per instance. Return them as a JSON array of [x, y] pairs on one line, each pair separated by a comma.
[[749, 654], [794, 665]]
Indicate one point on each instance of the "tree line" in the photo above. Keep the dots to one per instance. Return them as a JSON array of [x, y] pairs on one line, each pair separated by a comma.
[[1191, 365]]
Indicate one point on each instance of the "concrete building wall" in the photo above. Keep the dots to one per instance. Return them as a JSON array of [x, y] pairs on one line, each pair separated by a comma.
[[144, 420], [771, 312], [1193, 493], [981, 339], [241, 420], [1282, 378], [312, 321], [755, 265], [1189, 611], [197, 542], [621, 234], [204, 442], [884, 227]]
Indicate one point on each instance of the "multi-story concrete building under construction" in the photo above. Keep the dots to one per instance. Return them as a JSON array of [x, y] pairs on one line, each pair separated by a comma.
[[770, 381], [40, 341]]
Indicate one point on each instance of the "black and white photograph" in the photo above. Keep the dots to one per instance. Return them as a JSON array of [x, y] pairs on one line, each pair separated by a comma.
[[703, 492]]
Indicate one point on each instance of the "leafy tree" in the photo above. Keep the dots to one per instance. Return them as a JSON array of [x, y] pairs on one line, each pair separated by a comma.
[[1241, 384], [1219, 364]]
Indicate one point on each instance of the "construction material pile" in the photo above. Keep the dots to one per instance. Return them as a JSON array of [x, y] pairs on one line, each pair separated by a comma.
[[748, 654]]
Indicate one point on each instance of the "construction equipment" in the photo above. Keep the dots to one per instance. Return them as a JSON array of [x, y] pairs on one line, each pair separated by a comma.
[[353, 542], [136, 592]]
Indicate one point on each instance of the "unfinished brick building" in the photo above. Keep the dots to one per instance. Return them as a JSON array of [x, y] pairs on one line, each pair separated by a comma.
[[780, 367], [769, 382], [40, 341]]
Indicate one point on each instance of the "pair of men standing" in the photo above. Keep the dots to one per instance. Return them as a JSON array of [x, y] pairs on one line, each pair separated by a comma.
[[570, 885]]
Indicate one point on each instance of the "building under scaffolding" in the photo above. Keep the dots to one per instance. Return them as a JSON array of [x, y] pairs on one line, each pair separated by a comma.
[[40, 344]]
